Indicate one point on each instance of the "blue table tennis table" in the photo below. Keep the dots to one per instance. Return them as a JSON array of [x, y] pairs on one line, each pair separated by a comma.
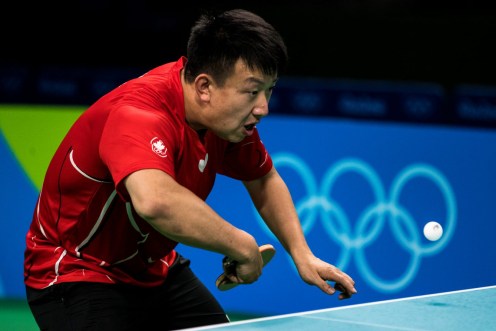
[[468, 310]]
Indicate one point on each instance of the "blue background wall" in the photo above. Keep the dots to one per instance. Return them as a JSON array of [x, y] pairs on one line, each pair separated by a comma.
[[363, 191]]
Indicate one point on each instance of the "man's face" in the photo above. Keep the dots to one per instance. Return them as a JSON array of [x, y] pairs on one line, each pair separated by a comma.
[[239, 104]]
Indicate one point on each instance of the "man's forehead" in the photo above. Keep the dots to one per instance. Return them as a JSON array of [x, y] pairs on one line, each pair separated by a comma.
[[260, 80], [253, 75]]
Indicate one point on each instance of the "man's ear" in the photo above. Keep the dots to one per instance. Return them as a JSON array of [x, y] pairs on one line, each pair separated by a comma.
[[203, 84]]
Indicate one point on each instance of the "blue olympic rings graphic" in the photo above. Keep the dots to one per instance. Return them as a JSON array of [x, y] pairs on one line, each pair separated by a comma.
[[373, 219]]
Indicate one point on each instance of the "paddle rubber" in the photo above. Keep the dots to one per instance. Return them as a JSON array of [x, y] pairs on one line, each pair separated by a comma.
[[223, 283]]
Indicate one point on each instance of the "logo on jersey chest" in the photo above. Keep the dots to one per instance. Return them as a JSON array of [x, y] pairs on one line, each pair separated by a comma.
[[203, 163]]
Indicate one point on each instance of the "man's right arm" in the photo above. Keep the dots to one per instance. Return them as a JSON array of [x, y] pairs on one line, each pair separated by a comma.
[[180, 215]]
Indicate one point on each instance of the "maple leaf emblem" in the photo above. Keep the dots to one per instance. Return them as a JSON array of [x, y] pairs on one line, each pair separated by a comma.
[[158, 147]]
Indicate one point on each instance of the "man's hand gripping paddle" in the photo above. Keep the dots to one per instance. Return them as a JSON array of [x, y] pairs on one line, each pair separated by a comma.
[[223, 283]]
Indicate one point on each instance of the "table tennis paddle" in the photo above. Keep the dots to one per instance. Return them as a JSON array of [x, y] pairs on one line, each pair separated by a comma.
[[223, 283]]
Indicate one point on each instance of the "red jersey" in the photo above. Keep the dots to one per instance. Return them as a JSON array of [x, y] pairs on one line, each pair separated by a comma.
[[84, 226]]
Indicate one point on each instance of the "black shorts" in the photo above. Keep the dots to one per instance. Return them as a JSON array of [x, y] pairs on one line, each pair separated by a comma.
[[181, 302]]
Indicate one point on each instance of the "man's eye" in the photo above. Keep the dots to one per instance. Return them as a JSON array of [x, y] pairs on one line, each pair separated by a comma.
[[253, 92]]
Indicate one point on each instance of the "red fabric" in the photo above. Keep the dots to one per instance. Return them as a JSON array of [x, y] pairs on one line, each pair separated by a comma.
[[84, 228]]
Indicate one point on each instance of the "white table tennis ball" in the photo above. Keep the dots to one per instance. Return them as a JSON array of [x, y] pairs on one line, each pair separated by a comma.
[[433, 231]]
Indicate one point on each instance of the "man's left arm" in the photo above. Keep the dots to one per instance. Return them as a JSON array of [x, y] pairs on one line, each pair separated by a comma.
[[273, 201]]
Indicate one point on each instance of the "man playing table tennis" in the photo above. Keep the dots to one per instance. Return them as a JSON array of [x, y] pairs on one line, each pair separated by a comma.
[[130, 179]]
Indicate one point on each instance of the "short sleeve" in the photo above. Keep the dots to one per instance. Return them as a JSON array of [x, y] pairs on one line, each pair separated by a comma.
[[134, 139], [247, 160]]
